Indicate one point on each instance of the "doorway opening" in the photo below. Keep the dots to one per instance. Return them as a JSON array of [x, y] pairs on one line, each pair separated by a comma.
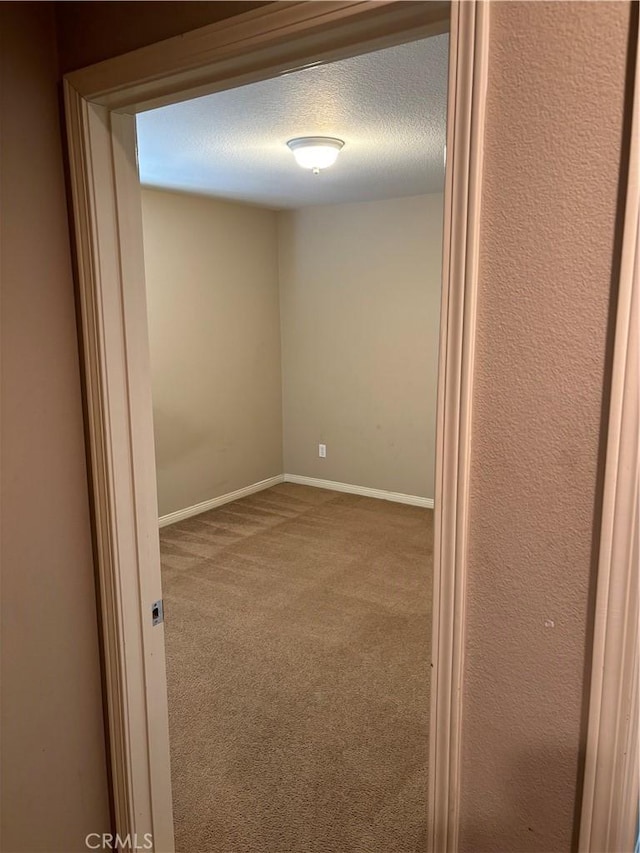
[[294, 333], [101, 103]]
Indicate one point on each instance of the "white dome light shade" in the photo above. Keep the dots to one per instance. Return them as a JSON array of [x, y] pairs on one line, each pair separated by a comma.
[[315, 152]]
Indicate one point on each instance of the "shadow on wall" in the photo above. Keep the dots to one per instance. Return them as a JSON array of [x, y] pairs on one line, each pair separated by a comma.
[[175, 437], [525, 822]]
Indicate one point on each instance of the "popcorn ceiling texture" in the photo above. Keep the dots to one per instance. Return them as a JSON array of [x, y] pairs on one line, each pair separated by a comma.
[[389, 107], [553, 148]]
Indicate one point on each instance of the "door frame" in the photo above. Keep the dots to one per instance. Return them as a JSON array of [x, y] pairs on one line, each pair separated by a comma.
[[101, 102], [611, 789]]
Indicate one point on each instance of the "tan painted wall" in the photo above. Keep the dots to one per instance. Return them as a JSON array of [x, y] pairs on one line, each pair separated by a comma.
[[360, 301], [554, 129], [53, 763], [91, 32], [214, 331]]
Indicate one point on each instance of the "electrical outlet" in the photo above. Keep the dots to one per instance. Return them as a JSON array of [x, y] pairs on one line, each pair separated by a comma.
[[322, 451]]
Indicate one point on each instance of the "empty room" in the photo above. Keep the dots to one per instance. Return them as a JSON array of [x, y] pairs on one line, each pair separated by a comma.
[[293, 261]]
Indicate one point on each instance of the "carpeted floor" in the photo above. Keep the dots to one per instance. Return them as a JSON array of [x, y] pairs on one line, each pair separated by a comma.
[[298, 627]]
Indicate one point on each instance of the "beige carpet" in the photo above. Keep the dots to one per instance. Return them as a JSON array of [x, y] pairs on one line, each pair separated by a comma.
[[298, 633]]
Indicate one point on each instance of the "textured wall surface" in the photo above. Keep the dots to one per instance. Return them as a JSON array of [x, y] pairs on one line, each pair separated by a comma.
[[53, 764], [91, 32], [360, 308], [553, 145], [214, 331]]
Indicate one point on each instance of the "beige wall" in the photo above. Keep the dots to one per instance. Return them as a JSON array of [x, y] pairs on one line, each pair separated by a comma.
[[89, 32], [54, 787], [359, 289], [360, 302], [554, 130], [214, 332]]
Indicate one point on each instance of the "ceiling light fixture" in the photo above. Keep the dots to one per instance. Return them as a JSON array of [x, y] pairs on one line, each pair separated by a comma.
[[315, 152]]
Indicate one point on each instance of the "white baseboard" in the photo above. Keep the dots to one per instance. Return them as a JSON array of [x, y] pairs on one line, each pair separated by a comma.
[[380, 494], [196, 509], [396, 497]]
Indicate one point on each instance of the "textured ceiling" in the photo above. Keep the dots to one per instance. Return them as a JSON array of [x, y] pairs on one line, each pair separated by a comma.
[[389, 107]]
